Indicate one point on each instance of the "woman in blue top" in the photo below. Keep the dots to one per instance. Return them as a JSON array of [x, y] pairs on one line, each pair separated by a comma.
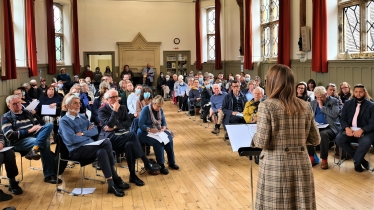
[[152, 120], [182, 97]]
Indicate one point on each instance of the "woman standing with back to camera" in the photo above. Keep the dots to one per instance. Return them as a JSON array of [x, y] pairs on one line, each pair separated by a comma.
[[285, 126]]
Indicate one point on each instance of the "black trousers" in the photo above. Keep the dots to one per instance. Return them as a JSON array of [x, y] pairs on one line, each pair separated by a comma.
[[182, 103], [103, 152], [236, 120], [205, 112], [326, 135], [128, 144], [9, 160]]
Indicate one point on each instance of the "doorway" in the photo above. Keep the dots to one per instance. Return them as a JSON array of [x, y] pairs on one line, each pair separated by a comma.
[[100, 59]]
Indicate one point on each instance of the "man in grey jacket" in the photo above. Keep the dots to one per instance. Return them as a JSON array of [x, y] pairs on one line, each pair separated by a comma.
[[326, 111]]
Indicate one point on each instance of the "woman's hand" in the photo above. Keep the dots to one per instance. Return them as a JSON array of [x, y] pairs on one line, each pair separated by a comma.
[[52, 105], [33, 112], [154, 130]]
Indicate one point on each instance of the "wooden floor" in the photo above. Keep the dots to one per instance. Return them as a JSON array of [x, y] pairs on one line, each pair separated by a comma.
[[211, 176]]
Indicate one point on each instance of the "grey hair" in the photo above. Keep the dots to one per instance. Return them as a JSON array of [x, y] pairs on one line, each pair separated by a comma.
[[70, 98], [261, 89], [11, 97], [75, 86], [32, 81], [319, 90], [180, 77], [104, 85], [106, 95], [25, 84]]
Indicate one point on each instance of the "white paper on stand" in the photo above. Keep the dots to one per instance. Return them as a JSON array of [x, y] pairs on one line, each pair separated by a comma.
[[84, 191], [162, 137], [46, 110], [241, 135], [32, 105], [5, 149]]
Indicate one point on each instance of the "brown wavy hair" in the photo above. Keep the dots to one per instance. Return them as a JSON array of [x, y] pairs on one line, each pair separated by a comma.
[[280, 84]]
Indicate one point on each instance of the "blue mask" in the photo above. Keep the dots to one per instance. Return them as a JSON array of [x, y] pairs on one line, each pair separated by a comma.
[[147, 95], [76, 94], [211, 80], [220, 84], [200, 79], [207, 86], [137, 91], [56, 88], [247, 79]]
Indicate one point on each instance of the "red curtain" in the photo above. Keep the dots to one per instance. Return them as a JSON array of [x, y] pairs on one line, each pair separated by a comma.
[[284, 43], [9, 64], [319, 36], [199, 65], [31, 39], [248, 35], [76, 65], [218, 61], [51, 48]]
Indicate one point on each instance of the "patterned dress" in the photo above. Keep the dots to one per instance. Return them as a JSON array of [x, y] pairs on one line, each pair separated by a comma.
[[285, 177]]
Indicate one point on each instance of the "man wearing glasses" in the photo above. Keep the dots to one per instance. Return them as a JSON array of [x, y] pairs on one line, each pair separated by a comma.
[[25, 133], [116, 123], [233, 106]]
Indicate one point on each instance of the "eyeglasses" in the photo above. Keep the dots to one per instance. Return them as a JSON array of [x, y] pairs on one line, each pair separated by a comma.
[[16, 103], [113, 97]]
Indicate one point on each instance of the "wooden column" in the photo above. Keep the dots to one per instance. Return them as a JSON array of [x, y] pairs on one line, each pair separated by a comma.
[[241, 11]]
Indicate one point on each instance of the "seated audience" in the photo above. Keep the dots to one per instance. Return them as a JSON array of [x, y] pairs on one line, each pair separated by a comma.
[[65, 78], [152, 120], [233, 106], [74, 90], [26, 87], [98, 102], [76, 131], [331, 91], [61, 90], [311, 84], [122, 91], [145, 98], [345, 92], [251, 107], [149, 75], [166, 87], [357, 122], [131, 101], [301, 92], [26, 133], [114, 118], [91, 87], [21, 94], [326, 111], [195, 96], [160, 81], [8, 158], [206, 93], [182, 97], [216, 112], [251, 87], [42, 87]]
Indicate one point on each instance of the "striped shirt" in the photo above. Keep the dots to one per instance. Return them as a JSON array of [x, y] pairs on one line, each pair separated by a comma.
[[15, 131]]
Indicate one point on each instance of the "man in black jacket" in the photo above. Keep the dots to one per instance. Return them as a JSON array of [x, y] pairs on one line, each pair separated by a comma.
[[115, 123]]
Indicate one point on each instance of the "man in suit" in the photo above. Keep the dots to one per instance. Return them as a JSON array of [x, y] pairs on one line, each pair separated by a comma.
[[326, 111], [357, 121], [113, 118]]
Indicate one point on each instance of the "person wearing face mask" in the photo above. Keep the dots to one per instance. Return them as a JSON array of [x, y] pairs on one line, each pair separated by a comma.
[[206, 93], [88, 73], [166, 87], [243, 85], [131, 102], [60, 88], [145, 98], [201, 80], [160, 81], [182, 97]]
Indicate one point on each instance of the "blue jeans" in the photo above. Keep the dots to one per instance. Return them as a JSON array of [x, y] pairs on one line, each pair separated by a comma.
[[41, 139], [159, 148]]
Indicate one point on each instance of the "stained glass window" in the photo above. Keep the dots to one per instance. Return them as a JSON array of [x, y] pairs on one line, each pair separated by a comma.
[[269, 28]]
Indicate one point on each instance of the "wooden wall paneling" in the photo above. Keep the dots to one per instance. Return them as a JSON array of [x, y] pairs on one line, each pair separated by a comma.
[[367, 79]]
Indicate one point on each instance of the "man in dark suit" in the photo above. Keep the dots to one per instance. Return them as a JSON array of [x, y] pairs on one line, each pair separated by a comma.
[[114, 120], [326, 111], [357, 121]]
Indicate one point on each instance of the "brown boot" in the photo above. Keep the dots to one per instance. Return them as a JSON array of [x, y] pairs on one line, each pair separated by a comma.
[[215, 131]]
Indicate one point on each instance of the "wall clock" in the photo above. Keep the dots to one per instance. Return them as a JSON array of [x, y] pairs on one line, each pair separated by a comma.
[[177, 41]]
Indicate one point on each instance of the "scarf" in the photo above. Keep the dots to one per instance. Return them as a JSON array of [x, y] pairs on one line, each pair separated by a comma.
[[157, 123]]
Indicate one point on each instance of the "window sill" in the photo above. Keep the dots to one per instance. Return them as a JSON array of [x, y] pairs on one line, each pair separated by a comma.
[[363, 55]]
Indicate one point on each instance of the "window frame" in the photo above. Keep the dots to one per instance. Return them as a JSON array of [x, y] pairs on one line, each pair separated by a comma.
[[363, 52], [272, 26], [209, 35], [60, 34]]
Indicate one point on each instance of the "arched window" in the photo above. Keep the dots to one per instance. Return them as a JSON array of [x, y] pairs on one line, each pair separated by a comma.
[[59, 32], [211, 37], [269, 28], [356, 27]]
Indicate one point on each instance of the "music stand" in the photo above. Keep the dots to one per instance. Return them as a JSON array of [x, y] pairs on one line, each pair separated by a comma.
[[249, 152]]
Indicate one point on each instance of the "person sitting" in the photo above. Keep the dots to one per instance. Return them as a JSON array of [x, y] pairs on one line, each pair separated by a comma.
[[76, 131], [206, 93], [233, 106], [131, 101], [52, 100], [74, 90], [122, 91], [65, 78], [301, 92], [21, 94], [215, 111], [251, 87], [166, 87], [91, 87], [34, 91], [152, 120], [149, 74], [160, 82], [26, 87], [182, 97], [251, 107], [243, 85], [98, 102], [25, 133], [145, 98], [345, 92], [357, 122], [42, 87], [195, 96], [114, 118], [8, 158], [326, 111]]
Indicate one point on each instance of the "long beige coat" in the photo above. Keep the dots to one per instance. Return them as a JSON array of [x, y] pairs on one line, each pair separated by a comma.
[[285, 177]]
